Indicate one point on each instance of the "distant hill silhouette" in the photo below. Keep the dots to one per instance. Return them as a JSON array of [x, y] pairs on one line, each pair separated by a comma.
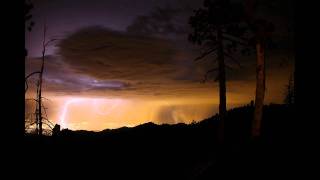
[[187, 151]]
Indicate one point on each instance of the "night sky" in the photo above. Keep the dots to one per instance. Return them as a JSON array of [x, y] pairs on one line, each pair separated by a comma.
[[110, 69]]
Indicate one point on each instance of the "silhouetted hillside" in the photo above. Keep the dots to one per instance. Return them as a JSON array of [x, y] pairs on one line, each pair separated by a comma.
[[180, 150]]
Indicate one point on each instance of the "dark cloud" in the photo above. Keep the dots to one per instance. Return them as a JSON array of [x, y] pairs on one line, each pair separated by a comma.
[[105, 51], [139, 62], [99, 61], [147, 65], [61, 78]]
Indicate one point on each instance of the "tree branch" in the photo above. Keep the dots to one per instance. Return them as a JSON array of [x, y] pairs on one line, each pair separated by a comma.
[[29, 99], [51, 40], [236, 41], [48, 125], [205, 54], [241, 39], [233, 59], [26, 82], [26, 79], [207, 73], [32, 74], [45, 112], [28, 125], [47, 120], [45, 98]]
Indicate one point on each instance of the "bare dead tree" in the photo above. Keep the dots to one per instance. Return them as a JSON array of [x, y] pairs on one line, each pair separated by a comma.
[[27, 77], [39, 95], [40, 109]]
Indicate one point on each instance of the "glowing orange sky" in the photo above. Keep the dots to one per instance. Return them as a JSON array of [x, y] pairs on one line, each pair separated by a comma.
[[98, 113]]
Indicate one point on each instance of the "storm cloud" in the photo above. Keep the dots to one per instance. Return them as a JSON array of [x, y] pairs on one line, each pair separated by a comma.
[[98, 61], [143, 64]]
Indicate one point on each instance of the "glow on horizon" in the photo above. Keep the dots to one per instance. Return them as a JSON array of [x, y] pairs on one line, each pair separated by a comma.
[[115, 103], [94, 101]]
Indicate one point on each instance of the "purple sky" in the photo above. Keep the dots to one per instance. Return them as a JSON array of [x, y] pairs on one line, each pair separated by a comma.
[[63, 17]]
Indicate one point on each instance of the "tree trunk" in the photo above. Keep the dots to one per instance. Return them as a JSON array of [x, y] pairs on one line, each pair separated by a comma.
[[40, 98], [222, 85], [40, 82], [260, 89], [37, 111]]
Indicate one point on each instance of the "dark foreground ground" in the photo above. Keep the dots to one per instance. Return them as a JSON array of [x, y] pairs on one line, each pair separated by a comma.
[[173, 151]]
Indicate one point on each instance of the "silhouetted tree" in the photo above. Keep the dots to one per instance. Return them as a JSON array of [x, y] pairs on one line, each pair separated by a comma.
[[262, 30], [39, 91], [219, 27], [40, 109], [166, 20], [56, 130], [162, 20], [28, 6]]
